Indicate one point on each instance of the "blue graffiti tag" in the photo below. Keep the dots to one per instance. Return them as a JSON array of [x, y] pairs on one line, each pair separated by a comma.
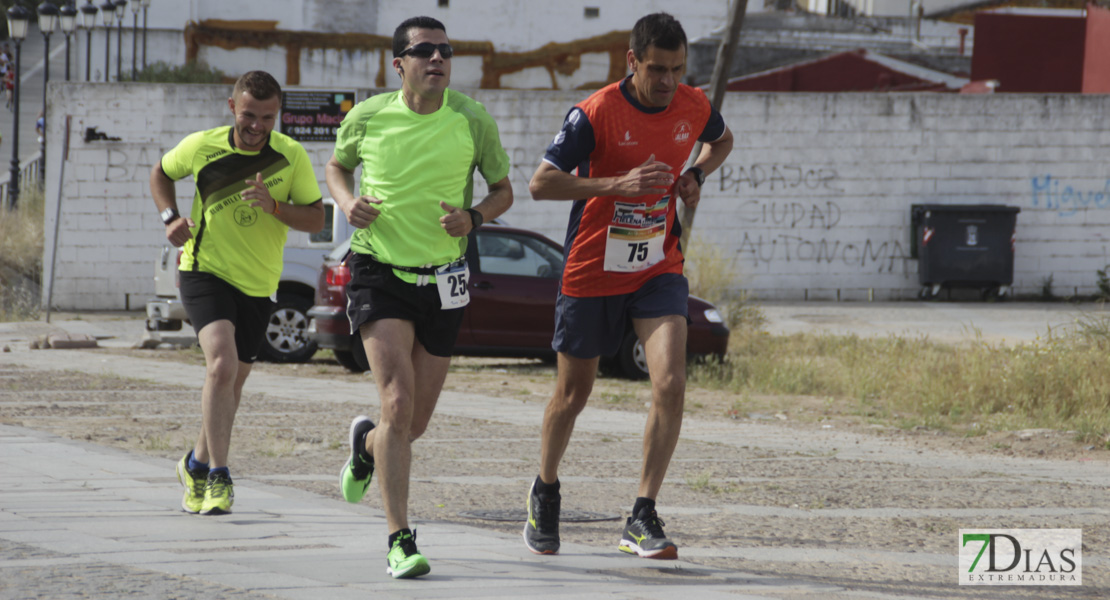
[[1068, 200]]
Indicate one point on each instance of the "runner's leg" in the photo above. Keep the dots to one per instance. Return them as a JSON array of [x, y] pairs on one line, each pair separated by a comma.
[[664, 341], [572, 390]]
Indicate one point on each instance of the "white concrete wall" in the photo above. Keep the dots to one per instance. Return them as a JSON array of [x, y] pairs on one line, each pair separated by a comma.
[[813, 202], [511, 25], [518, 25]]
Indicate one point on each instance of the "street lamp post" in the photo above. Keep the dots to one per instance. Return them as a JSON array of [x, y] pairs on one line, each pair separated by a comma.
[[68, 16], [146, 6], [121, 12], [135, 7], [18, 20], [88, 21], [48, 21], [108, 11]]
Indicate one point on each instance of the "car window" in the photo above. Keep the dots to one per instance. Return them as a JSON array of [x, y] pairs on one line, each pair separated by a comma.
[[511, 254], [325, 234]]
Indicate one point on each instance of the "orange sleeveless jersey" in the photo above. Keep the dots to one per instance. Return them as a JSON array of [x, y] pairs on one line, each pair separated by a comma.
[[625, 137]]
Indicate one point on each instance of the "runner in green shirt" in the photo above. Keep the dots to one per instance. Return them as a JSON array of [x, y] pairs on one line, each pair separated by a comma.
[[252, 185], [418, 148]]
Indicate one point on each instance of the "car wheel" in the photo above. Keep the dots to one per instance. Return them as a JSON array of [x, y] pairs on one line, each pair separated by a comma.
[[287, 330], [353, 360], [631, 359]]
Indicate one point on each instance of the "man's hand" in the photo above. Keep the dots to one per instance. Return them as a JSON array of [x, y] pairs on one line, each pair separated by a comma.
[[361, 211], [652, 177], [178, 231], [259, 195], [688, 189], [456, 222]]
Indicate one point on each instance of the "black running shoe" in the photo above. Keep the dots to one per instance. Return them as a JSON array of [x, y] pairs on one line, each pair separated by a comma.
[[643, 536], [541, 531]]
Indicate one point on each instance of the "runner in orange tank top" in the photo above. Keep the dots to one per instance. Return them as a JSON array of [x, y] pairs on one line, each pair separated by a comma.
[[629, 143]]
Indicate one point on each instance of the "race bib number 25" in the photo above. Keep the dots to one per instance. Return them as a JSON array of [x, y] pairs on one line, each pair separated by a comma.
[[453, 282]]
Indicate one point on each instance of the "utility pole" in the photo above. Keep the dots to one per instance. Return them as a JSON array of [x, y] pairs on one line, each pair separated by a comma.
[[717, 84]]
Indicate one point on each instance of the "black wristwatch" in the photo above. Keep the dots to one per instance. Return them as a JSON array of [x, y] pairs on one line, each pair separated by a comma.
[[476, 218], [699, 175], [169, 216]]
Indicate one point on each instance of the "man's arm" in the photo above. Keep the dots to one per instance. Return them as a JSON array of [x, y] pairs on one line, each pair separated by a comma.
[[360, 211], [457, 222], [164, 192], [302, 217], [551, 183], [712, 155]]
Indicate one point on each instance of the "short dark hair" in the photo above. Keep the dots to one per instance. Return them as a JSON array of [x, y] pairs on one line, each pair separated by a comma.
[[658, 29], [260, 84], [401, 34]]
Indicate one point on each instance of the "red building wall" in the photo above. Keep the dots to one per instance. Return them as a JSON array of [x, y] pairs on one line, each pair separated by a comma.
[[1030, 53], [1096, 66], [845, 72]]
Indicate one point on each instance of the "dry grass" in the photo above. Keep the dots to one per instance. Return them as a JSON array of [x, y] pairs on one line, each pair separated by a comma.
[[21, 244], [1061, 382]]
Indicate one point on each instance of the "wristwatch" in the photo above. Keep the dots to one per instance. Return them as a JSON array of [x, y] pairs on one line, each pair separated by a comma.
[[699, 175], [476, 218], [169, 215]]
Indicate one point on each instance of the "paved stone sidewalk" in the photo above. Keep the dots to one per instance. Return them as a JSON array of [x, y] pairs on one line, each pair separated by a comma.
[[79, 520], [87, 505]]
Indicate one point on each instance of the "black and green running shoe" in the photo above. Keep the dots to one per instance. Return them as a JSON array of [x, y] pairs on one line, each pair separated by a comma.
[[354, 478], [643, 536], [541, 531], [219, 494], [405, 561]]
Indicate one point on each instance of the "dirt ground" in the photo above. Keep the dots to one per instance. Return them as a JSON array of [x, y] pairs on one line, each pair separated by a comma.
[[743, 502]]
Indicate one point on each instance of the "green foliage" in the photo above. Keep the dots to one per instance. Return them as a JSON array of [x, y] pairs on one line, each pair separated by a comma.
[[192, 72], [1103, 283], [21, 244], [715, 278], [1046, 289]]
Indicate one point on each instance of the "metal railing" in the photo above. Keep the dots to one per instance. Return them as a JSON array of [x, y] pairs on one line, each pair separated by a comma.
[[28, 176]]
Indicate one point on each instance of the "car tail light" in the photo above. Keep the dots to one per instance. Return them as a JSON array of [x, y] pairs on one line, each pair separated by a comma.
[[339, 275]]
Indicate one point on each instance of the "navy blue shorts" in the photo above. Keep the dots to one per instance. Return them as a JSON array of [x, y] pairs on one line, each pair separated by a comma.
[[375, 293], [595, 326], [208, 298]]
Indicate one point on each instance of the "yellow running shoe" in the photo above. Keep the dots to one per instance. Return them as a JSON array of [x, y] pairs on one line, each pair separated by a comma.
[[194, 484], [219, 494]]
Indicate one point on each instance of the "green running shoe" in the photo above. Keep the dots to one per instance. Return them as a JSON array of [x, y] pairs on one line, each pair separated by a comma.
[[404, 560], [193, 482], [219, 494], [354, 478], [643, 536]]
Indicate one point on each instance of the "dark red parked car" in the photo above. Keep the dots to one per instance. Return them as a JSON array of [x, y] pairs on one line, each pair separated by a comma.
[[514, 278]]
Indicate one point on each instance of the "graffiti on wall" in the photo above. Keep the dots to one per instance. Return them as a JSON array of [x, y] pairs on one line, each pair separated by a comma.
[[781, 227], [1050, 193], [126, 165]]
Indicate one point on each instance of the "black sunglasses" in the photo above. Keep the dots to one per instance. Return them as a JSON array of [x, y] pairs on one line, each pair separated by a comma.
[[427, 49]]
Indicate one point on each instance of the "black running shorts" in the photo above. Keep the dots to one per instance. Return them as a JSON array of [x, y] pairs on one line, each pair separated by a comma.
[[207, 298], [595, 326], [376, 293]]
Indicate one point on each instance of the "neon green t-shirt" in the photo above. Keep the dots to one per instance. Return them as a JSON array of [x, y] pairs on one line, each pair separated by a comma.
[[411, 162], [237, 243]]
